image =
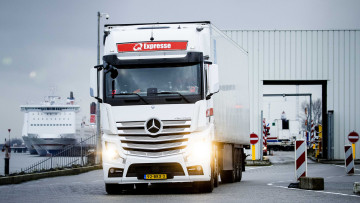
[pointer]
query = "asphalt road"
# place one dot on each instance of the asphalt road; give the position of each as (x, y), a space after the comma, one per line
(259, 184)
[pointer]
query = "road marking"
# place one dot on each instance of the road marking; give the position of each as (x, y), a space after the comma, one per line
(325, 192)
(344, 167)
(252, 168)
(95, 181)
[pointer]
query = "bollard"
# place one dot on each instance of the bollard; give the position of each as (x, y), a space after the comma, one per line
(349, 161)
(300, 159)
(253, 152)
(354, 151)
(7, 165)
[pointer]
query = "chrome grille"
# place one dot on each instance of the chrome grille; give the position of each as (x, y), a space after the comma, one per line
(136, 141)
(154, 154)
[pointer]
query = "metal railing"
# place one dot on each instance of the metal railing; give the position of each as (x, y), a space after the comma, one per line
(72, 156)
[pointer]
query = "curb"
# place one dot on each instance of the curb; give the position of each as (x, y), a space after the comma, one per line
(324, 161)
(28, 177)
(311, 183)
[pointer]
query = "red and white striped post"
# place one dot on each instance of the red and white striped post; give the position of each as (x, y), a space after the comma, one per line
(349, 161)
(300, 159)
(264, 134)
(312, 138)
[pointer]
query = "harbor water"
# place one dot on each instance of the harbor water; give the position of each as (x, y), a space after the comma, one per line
(18, 161)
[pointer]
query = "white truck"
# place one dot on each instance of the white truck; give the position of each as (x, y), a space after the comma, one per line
(174, 103)
(283, 134)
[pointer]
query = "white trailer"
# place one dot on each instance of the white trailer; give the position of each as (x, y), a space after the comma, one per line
(174, 103)
(283, 134)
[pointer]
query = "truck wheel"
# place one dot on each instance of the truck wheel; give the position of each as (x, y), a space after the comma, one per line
(206, 186)
(228, 176)
(216, 180)
(113, 189)
(216, 167)
(238, 165)
(238, 173)
(141, 186)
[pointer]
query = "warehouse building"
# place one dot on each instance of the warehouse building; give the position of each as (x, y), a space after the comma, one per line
(330, 58)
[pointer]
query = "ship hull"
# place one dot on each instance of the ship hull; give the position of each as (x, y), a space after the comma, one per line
(51, 146)
(29, 146)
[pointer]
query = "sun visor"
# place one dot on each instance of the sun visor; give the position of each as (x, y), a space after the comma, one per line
(148, 58)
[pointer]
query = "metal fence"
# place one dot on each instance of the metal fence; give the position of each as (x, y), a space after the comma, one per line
(81, 154)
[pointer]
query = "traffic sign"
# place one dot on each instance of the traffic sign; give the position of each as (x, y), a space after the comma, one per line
(253, 138)
(353, 137)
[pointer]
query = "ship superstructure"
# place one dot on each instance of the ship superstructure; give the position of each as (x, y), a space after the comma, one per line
(51, 126)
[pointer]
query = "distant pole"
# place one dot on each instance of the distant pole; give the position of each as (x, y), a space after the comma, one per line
(310, 112)
(261, 137)
(98, 145)
(98, 130)
(7, 156)
(9, 135)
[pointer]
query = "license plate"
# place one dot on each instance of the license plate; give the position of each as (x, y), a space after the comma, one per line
(155, 176)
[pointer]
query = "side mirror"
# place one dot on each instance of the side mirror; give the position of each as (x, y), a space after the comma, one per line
(94, 82)
(213, 79)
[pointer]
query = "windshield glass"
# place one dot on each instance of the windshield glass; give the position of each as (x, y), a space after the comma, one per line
(154, 85)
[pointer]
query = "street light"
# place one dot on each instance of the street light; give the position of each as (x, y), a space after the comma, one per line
(7, 156)
(99, 14)
(98, 145)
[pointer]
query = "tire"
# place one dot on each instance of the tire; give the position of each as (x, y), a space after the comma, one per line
(239, 165)
(216, 167)
(238, 175)
(141, 186)
(228, 176)
(216, 180)
(113, 189)
(207, 186)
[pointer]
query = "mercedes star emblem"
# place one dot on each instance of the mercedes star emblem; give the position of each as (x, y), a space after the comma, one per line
(153, 126)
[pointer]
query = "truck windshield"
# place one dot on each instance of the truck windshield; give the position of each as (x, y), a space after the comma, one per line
(154, 85)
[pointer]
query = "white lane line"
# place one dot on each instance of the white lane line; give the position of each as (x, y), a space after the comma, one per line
(252, 168)
(318, 191)
(95, 181)
(344, 167)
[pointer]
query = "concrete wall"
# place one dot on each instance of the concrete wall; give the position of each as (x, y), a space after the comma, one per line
(332, 55)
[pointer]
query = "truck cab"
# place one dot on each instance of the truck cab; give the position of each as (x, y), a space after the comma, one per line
(156, 87)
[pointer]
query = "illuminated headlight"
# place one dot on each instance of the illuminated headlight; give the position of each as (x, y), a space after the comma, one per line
(198, 150)
(264, 148)
(110, 151)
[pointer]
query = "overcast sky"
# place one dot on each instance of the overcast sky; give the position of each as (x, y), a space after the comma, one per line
(48, 44)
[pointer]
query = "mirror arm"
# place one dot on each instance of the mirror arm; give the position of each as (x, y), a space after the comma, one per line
(99, 68)
(210, 95)
(98, 99)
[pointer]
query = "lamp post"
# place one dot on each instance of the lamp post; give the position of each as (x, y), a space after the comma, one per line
(7, 156)
(98, 144)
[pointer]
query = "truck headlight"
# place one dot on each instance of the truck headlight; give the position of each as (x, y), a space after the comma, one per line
(110, 151)
(198, 150)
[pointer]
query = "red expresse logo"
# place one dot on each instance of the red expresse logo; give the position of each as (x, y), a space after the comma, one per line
(152, 46)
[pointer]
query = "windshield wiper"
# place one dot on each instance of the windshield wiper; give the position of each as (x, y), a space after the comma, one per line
(182, 96)
(132, 93)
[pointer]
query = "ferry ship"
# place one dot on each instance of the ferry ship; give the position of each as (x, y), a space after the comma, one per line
(51, 126)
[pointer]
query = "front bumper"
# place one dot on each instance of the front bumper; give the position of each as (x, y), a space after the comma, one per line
(178, 158)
